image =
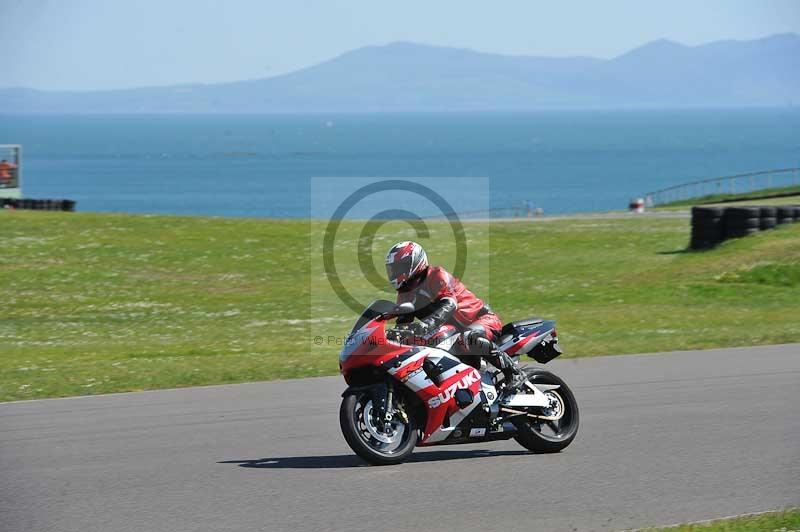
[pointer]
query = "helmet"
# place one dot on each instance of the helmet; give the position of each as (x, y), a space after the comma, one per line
(405, 263)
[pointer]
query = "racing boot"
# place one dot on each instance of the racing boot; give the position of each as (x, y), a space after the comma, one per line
(514, 377)
(476, 343)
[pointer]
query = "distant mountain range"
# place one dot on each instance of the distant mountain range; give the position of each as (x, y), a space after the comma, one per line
(405, 76)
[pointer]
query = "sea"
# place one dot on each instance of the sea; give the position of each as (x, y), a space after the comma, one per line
(263, 165)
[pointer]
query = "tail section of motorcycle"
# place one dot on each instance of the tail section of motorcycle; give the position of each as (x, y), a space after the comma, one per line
(534, 337)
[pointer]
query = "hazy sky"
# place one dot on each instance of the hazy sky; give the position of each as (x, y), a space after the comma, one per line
(99, 44)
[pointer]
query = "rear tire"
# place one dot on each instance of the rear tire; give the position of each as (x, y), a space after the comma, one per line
(531, 433)
(356, 431)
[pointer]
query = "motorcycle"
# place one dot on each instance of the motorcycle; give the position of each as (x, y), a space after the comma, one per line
(405, 392)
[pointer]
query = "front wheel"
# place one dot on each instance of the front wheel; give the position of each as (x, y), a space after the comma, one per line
(556, 433)
(379, 443)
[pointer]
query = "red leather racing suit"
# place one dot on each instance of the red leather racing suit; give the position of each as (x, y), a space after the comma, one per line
(437, 287)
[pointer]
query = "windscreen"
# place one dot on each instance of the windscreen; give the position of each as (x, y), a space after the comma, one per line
(375, 309)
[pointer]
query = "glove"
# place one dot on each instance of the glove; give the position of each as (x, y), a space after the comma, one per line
(419, 328)
(441, 312)
(400, 334)
(394, 335)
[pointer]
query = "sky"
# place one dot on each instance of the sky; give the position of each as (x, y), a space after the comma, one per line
(108, 44)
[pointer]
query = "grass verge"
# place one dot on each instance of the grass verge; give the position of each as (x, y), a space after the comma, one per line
(98, 303)
(780, 521)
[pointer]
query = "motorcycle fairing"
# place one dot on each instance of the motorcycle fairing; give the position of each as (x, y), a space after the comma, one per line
(520, 338)
(443, 413)
(367, 345)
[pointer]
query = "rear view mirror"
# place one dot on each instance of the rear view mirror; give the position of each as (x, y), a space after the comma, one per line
(404, 308)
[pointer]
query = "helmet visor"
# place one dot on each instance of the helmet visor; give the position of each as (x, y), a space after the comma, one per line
(398, 270)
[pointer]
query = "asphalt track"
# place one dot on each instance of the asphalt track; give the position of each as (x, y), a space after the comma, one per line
(664, 438)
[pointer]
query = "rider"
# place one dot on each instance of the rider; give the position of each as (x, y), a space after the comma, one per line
(439, 299)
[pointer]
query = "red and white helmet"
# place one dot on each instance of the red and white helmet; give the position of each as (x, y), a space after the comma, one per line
(404, 262)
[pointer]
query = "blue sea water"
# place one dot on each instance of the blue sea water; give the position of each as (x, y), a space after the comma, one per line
(261, 165)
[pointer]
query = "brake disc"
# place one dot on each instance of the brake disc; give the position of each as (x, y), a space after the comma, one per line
(375, 432)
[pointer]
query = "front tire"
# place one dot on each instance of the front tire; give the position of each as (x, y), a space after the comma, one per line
(542, 436)
(361, 430)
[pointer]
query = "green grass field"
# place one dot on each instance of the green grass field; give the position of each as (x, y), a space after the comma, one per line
(780, 521)
(97, 303)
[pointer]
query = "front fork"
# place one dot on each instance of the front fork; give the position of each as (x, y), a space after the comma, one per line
(383, 403)
(390, 405)
(383, 399)
(381, 396)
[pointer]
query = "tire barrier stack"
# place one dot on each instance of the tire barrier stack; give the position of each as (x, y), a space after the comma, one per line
(741, 221)
(707, 228)
(64, 205)
(712, 225)
(786, 215)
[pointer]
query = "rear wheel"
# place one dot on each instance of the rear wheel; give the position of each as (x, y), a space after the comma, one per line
(379, 443)
(560, 427)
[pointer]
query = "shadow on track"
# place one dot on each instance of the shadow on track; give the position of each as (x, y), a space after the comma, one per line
(349, 460)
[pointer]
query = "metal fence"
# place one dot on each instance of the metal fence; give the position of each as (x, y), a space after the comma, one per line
(735, 184)
(517, 209)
